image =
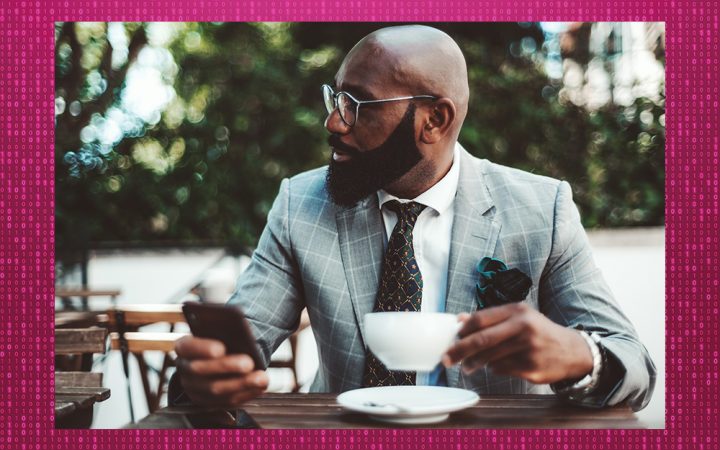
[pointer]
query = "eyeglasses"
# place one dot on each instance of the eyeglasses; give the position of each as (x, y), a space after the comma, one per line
(349, 106)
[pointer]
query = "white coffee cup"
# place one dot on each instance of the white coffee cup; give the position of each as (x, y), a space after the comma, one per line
(410, 341)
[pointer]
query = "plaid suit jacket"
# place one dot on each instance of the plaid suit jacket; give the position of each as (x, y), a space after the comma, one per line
(328, 258)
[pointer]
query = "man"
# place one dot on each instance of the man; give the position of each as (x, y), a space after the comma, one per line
(403, 204)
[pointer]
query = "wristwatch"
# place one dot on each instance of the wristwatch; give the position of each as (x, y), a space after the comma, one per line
(576, 389)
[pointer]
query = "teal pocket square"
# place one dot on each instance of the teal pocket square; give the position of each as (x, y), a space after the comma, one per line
(499, 285)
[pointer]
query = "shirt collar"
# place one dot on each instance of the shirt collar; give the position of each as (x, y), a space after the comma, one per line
(440, 196)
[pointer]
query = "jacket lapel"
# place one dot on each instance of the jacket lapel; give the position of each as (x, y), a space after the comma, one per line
(474, 235)
(361, 236)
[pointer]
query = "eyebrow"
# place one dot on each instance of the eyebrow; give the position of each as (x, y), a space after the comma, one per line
(356, 90)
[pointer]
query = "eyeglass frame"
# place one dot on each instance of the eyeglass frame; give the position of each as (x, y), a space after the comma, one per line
(335, 96)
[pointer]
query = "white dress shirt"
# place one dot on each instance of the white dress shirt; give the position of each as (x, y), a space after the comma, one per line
(431, 239)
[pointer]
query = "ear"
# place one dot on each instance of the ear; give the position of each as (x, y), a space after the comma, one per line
(438, 120)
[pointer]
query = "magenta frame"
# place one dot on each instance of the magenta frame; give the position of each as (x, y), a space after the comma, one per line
(27, 236)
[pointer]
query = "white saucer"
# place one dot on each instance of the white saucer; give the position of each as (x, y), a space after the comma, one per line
(410, 405)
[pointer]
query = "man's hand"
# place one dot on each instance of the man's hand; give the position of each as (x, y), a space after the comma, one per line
(212, 378)
(516, 340)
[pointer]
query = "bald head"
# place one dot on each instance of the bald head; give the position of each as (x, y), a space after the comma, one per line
(412, 60)
(404, 147)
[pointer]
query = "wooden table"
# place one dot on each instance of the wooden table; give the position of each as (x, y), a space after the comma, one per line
(74, 405)
(76, 392)
(321, 411)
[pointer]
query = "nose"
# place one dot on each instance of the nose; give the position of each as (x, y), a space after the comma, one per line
(334, 123)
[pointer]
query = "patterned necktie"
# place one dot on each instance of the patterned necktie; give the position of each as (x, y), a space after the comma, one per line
(401, 286)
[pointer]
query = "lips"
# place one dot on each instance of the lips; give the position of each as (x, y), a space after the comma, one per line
(340, 151)
(340, 156)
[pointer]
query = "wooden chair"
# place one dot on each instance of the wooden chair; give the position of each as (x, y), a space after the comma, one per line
(125, 322)
(80, 319)
(76, 392)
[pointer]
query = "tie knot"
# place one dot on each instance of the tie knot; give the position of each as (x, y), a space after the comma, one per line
(408, 212)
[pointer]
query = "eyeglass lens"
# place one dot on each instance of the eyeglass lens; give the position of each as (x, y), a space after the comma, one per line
(328, 98)
(345, 105)
(347, 108)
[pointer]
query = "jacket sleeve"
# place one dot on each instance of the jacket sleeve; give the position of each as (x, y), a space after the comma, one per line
(574, 293)
(269, 291)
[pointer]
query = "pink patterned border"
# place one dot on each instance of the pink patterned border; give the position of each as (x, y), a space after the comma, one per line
(26, 227)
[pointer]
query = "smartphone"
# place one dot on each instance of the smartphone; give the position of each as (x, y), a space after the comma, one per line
(223, 323)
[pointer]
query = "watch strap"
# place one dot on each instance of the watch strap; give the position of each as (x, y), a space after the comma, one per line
(578, 388)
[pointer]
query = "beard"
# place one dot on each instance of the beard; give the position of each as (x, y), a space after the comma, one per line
(366, 172)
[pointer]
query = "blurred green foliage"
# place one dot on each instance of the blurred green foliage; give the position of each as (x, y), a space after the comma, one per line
(248, 112)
